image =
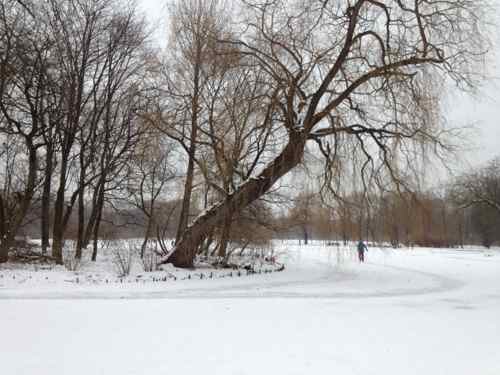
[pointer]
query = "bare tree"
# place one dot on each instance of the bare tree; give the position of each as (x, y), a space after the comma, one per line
(232, 145)
(195, 24)
(479, 187)
(25, 64)
(98, 48)
(480, 191)
(72, 83)
(366, 84)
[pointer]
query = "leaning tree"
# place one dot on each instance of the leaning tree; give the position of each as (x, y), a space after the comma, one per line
(348, 76)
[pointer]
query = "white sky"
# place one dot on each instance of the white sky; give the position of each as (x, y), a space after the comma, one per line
(482, 110)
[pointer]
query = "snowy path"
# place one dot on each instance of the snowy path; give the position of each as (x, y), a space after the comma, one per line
(318, 274)
(403, 312)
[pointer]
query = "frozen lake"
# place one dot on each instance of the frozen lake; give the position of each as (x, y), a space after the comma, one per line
(420, 311)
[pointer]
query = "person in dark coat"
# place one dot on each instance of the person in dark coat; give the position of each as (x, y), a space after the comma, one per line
(361, 250)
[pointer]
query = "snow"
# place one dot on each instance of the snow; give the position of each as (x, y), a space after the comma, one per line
(419, 311)
(103, 279)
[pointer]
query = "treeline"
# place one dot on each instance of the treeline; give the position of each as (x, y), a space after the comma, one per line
(465, 212)
(73, 80)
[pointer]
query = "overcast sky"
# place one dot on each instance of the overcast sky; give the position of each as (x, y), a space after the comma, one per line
(482, 110)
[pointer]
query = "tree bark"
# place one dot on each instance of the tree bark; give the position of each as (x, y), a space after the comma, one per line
(97, 224)
(81, 202)
(58, 230)
(81, 222)
(96, 236)
(188, 186)
(2, 217)
(225, 234)
(4, 249)
(186, 200)
(47, 189)
(94, 211)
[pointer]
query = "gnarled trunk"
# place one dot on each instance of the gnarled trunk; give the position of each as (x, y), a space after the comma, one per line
(185, 250)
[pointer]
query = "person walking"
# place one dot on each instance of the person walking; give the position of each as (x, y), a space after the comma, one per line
(361, 250)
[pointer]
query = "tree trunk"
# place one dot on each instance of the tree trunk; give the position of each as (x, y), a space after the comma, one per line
(225, 234)
(2, 218)
(81, 209)
(186, 200)
(188, 186)
(4, 243)
(97, 224)
(81, 223)
(96, 237)
(146, 236)
(185, 250)
(94, 212)
(58, 229)
(61, 216)
(5, 247)
(47, 189)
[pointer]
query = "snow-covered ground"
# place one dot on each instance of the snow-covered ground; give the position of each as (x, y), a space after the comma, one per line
(419, 311)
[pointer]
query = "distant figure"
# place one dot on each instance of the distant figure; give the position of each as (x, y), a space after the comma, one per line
(361, 251)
